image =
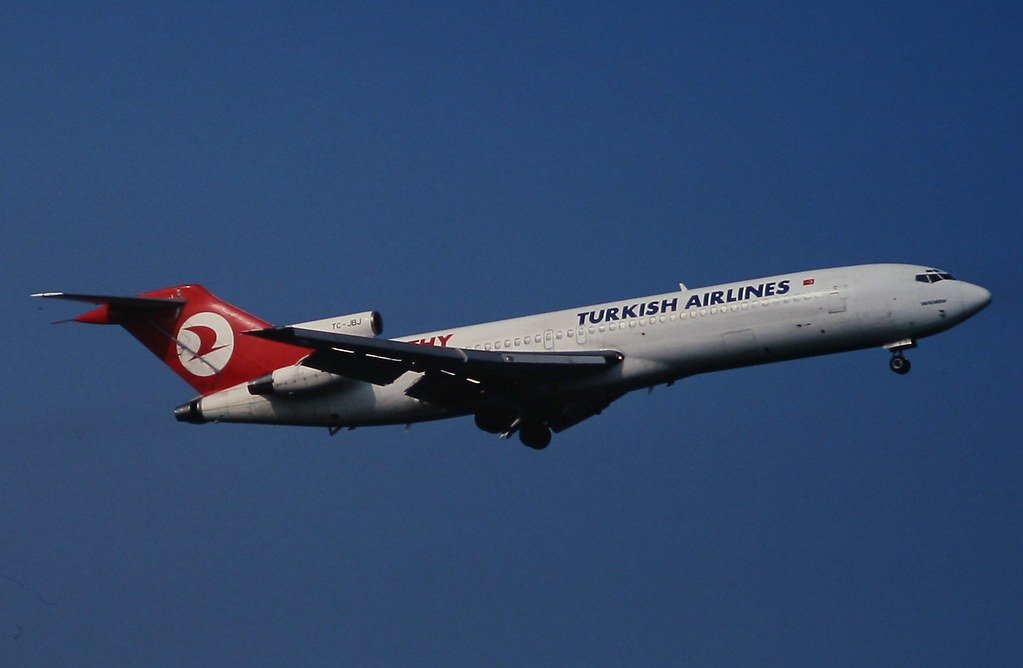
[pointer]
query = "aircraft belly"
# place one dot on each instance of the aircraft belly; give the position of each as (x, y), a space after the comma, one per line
(368, 404)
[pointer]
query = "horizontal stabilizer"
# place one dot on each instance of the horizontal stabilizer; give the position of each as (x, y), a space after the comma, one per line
(130, 302)
(114, 309)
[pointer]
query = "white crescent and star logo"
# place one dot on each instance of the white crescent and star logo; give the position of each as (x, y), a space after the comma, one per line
(205, 343)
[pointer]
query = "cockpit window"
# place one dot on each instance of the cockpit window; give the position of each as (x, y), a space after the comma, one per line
(933, 276)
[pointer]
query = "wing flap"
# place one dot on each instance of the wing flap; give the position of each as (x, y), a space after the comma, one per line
(438, 387)
(353, 365)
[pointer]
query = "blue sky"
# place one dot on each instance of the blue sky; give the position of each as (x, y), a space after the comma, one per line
(450, 163)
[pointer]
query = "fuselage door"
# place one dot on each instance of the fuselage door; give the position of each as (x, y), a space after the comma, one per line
(548, 339)
(836, 299)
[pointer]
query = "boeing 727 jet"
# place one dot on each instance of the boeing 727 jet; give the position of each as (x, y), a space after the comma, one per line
(531, 375)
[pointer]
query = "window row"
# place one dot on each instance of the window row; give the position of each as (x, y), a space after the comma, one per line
(641, 322)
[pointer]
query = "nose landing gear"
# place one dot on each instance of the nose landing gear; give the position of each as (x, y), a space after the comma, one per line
(898, 363)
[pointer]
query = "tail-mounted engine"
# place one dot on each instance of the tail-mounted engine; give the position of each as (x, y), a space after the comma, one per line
(292, 379)
(298, 378)
(367, 323)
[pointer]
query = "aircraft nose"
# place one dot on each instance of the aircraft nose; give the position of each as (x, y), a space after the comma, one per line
(974, 297)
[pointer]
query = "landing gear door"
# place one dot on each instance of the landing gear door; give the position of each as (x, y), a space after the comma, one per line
(740, 346)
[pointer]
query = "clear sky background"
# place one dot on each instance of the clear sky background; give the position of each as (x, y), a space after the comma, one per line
(447, 163)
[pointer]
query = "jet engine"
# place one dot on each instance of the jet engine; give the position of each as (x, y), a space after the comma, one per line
(289, 379)
(367, 323)
(298, 378)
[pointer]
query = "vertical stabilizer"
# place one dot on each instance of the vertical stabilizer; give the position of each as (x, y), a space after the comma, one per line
(194, 333)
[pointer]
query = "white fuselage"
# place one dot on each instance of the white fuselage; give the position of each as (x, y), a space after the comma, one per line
(662, 338)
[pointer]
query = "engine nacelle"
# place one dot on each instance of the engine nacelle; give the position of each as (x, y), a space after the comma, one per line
(298, 378)
(292, 379)
(367, 323)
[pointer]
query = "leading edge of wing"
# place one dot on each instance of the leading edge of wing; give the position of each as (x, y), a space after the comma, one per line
(382, 361)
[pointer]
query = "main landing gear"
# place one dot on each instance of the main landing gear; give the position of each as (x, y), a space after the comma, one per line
(898, 363)
(533, 432)
(535, 435)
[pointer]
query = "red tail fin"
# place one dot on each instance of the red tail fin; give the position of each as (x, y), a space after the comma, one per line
(197, 335)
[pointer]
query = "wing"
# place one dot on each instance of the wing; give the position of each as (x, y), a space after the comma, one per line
(457, 378)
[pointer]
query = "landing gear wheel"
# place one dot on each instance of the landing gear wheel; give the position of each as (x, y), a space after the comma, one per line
(899, 365)
(536, 436)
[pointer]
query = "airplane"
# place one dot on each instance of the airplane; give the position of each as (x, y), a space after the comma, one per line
(530, 375)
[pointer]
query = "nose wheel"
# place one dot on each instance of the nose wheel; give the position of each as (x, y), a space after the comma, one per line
(899, 364)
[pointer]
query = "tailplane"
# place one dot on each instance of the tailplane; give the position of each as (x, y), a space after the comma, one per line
(193, 332)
